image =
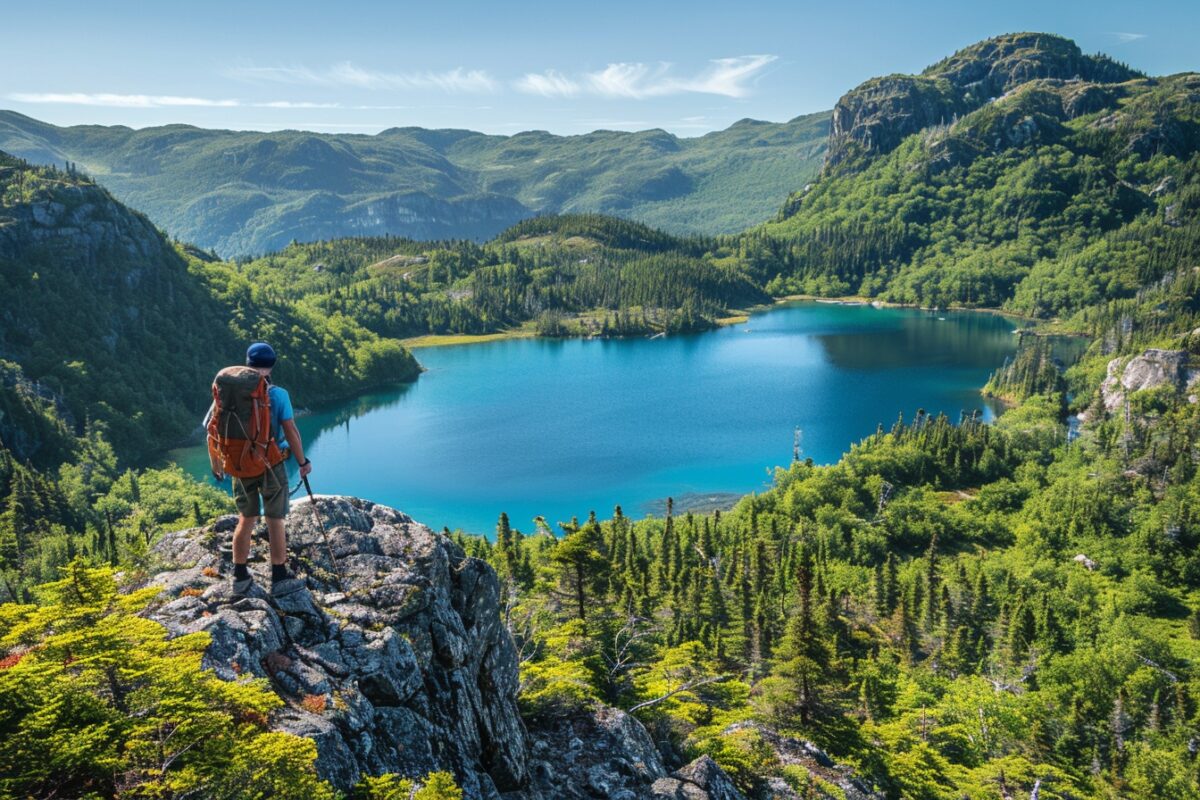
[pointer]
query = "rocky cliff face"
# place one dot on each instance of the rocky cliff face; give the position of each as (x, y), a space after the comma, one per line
(79, 223)
(875, 117)
(403, 665)
(1151, 370)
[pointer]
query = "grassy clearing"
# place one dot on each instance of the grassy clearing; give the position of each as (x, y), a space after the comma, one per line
(443, 340)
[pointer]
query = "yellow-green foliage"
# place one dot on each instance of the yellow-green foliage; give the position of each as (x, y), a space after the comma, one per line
(96, 701)
(436, 786)
(552, 684)
(677, 669)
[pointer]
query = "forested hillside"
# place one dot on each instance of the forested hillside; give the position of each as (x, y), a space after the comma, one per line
(567, 275)
(1049, 183)
(242, 193)
(109, 337)
(955, 610)
(952, 610)
(120, 326)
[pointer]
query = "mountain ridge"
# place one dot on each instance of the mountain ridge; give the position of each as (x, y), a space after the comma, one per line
(874, 117)
(246, 192)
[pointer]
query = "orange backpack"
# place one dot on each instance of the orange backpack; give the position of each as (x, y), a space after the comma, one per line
(239, 427)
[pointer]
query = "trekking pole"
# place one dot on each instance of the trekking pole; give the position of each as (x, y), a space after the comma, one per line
(317, 517)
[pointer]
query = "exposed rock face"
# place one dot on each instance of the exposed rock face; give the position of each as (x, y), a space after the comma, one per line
(404, 668)
(603, 754)
(798, 753)
(80, 224)
(609, 754)
(876, 116)
(1152, 369)
(994, 66)
(698, 780)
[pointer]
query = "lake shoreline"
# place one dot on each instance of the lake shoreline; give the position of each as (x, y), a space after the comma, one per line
(735, 316)
(584, 428)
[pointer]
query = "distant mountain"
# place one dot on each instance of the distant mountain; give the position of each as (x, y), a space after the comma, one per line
(877, 115)
(242, 193)
(1017, 172)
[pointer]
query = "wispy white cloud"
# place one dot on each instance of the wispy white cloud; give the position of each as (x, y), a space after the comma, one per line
(292, 104)
(172, 101)
(346, 73)
(119, 100)
(1124, 37)
(631, 80)
(728, 77)
(550, 83)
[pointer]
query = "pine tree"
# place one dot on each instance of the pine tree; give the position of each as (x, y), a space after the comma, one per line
(506, 555)
(583, 565)
(879, 594)
(1022, 632)
(931, 591)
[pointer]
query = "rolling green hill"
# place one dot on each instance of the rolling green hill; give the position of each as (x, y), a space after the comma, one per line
(242, 193)
(118, 328)
(567, 274)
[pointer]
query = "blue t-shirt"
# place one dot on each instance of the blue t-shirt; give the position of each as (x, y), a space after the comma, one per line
(281, 412)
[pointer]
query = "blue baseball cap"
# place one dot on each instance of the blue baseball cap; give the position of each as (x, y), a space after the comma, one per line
(260, 354)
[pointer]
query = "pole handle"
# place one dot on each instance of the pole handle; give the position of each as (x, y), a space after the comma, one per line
(324, 533)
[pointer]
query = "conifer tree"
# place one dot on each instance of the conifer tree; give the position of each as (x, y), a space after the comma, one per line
(583, 565)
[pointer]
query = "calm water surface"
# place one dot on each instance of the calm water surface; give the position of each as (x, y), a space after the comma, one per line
(559, 428)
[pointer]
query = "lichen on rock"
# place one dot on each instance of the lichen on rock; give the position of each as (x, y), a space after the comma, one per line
(401, 667)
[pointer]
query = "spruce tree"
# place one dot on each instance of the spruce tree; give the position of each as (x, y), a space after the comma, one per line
(583, 565)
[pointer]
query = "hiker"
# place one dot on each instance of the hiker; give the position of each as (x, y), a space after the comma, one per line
(251, 435)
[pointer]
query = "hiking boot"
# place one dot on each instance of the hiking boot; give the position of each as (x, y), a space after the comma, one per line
(242, 587)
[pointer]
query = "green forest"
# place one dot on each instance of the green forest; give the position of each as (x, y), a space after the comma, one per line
(244, 193)
(955, 609)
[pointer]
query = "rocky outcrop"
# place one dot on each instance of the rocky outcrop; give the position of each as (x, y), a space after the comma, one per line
(877, 115)
(994, 66)
(873, 118)
(1152, 369)
(80, 223)
(700, 780)
(607, 753)
(604, 753)
(401, 666)
(830, 780)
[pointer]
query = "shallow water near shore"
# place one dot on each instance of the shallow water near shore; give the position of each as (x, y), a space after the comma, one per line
(559, 428)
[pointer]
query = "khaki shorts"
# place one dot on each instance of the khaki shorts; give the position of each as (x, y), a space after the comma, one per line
(271, 488)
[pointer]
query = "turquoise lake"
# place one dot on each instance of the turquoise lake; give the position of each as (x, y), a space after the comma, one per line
(558, 428)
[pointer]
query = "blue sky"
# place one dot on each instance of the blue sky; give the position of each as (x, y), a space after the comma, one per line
(504, 67)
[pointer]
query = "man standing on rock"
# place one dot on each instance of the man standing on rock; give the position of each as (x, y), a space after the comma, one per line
(267, 492)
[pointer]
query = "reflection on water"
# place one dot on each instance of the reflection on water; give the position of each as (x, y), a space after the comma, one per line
(921, 340)
(560, 428)
(341, 415)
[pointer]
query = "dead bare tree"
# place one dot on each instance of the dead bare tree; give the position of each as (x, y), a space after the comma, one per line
(622, 654)
(522, 626)
(687, 686)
